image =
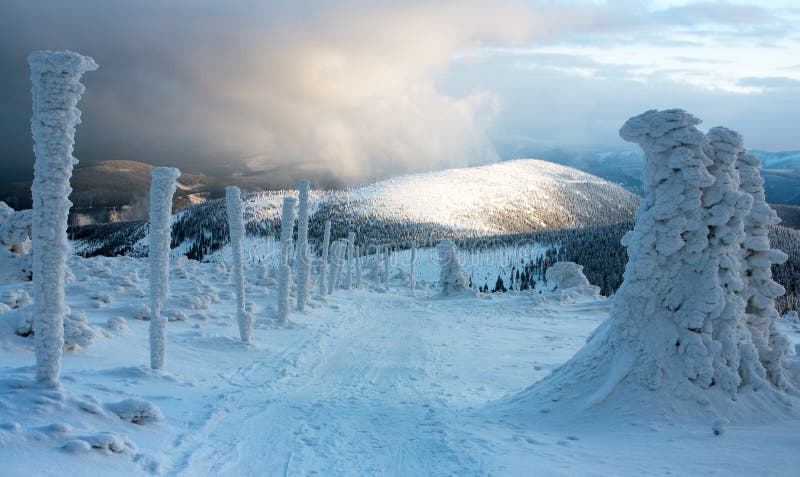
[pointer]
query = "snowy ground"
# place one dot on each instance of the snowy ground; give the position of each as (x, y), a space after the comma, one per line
(364, 383)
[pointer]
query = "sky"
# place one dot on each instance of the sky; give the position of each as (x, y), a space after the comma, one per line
(347, 91)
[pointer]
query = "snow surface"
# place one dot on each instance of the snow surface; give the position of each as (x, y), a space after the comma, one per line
(363, 383)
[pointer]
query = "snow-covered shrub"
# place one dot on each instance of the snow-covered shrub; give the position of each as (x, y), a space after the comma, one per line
(285, 271)
(56, 92)
(174, 314)
(101, 296)
(4, 308)
(565, 275)
(136, 411)
(162, 188)
(140, 311)
(303, 252)
(235, 209)
(117, 323)
(451, 277)
(15, 230)
(78, 334)
(16, 298)
(323, 269)
(105, 442)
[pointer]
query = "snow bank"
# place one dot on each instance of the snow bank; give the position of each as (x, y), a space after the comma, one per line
(56, 91)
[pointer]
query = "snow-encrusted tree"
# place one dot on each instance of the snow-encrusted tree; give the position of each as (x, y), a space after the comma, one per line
(162, 188)
(56, 91)
(323, 269)
(451, 277)
(678, 325)
(337, 252)
(348, 279)
(565, 275)
(284, 269)
(235, 209)
(760, 289)
(303, 254)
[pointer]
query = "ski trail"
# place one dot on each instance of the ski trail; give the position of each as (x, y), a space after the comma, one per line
(353, 398)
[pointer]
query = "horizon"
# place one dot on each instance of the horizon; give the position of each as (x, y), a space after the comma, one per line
(315, 90)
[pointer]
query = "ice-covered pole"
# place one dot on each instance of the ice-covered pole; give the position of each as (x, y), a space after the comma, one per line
(56, 91)
(358, 265)
(412, 280)
(284, 271)
(323, 269)
(162, 187)
(386, 273)
(337, 261)
(348, 281)
(233, 202)
(302, 255)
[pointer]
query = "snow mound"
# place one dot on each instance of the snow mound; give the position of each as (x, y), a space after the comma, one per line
(566, 275)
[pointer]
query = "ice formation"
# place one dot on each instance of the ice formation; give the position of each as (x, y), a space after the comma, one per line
(284, 270)
(451, 277)
(323, 269)
(162, 187)
(566, 275)
(56, 91)
(235, 209)
(303, 254)
(348, 280)
(357, 252)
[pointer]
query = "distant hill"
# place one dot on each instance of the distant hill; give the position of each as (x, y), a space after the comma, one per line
(508, 197)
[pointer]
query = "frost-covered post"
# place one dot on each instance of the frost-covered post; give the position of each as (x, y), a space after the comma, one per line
(760, 289)
(412, 280)
(56, 91)
(162, 187)
(348, 281)
(357, 252)
(323, 269)
(233, 202)
(284, 270)
(302, 255)
(387, 276)
(451, 277)
(338, 249)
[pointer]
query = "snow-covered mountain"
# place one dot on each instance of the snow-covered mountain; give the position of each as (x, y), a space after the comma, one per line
(508, 197)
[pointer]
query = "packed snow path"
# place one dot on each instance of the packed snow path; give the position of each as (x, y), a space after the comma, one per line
(363, 383)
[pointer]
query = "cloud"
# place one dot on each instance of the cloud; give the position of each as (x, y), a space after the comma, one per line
(347, 88)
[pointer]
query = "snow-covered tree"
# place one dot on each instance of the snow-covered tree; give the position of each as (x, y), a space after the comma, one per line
(760, 289)
(337, 252)
(451, 277)
(303, 254)
(387, 277)
(323, 269)
(677, 325)
(348, 279)
(566, 275)
(162, 188)
(56, 91)
(284, 269)
(233, 202)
